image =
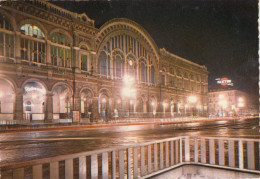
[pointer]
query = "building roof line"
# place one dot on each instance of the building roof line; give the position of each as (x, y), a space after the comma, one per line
(163, 50)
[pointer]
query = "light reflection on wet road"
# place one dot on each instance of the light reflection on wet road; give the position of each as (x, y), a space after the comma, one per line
(33, 145)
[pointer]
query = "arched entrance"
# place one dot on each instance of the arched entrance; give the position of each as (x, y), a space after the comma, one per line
(153, 106)
(141, 107)
(6, 100)
(104, 106)
(86, 103)
(62, 100)
(172, 108)
(34, 99)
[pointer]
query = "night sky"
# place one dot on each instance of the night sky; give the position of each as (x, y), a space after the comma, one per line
(220, 34)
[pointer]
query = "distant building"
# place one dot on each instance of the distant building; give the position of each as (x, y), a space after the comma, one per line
(229, 103)
(55, 64)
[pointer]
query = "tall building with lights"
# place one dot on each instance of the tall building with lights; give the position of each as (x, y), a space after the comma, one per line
(55, 64)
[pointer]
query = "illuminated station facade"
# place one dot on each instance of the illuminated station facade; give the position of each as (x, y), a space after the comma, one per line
(55, 64)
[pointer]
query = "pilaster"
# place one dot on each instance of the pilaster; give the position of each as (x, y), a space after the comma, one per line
(48, 52)
(94, 110)
(77, 103)
(18, 107)
(17, 47)
(49, 107)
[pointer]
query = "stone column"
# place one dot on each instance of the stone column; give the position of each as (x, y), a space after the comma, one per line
(18, 105)
(148, 74)
(77, 59)
(77, 103)
(111, 108)
(94, 110)
(48, 52)
(49, 106)
(17, 48)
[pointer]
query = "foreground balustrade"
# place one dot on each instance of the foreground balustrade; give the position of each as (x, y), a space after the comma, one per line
(143, 160)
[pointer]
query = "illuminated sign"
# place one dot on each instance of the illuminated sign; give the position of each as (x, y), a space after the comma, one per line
(224, 81)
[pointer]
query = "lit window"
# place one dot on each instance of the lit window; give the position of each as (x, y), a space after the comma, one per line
(152, 75)
(60, 56)
(32, 49)
(84, 62)
(118, 66)
(103, 63)
(6, 39)
(143, 72)
(4, 23)
(28, 106)
(31, 30)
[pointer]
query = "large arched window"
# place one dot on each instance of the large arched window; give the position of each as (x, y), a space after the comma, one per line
(6, 37)
(152, 75)
(118, 66)
(28, 106)
(179, 73)
(130, 65)
(163, 79)
(84, 65)
(31, 30)
(33, 47)
(186, 75)
(84, 62)
(60, 50)
(103, 63)
(142, 72)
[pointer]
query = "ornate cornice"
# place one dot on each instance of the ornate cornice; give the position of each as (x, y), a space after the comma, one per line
(164, 52)
(54, 14)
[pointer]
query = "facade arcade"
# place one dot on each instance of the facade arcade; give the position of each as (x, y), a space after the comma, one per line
(54, 62)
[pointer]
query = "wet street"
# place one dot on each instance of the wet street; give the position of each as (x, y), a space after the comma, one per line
(32, 145)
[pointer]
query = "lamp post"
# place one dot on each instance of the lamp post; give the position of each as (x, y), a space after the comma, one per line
(128, 90)
(240, 105)
(153, 110)
(222, 103)
(164, 107)
(192, 100)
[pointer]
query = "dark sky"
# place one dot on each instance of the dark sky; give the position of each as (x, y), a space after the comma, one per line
(221, 34)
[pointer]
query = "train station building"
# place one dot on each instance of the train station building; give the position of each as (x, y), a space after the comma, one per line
(55, 64)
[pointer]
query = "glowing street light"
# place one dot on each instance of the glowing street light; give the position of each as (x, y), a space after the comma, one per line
(192, 99)
(222, 103)
(128, 80)
(241, 102)
(128, 91)
(154, 111)
(164, 107)
(104, 100)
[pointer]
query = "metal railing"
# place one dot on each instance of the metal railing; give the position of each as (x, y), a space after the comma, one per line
(143, 160)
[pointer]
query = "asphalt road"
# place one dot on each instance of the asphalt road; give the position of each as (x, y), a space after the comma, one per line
(32, 145)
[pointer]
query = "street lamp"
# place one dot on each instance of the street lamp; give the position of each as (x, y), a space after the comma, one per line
(240, 104)
(128, 90)
(153, 103)
(164, 107)
(192, 100)
(222, 103)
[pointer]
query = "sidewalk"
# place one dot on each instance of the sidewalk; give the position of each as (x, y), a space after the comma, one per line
(68, 125)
